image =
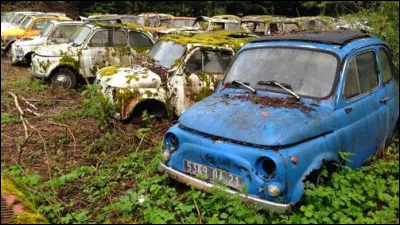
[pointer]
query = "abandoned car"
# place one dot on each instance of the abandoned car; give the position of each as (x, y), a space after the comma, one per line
(287, 105)
(56, 32)
(266, 24)
(30, 26)
(92, 47)
(218, 23)
(178, 25)
(180, 70)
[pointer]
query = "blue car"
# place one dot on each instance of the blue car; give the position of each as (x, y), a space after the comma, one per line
(287, 104)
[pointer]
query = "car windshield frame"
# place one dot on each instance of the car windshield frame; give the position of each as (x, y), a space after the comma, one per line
(185, 21)
(77, 34)
(161, 60)
(339, 65)
(46, 31)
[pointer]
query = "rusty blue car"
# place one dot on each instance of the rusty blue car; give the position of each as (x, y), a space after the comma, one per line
(286, 105)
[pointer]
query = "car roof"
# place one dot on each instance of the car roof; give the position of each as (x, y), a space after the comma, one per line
(325, 37)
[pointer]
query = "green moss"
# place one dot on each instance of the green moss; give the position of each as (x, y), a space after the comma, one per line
(217, 39)
(141, 49)
(29, 216)
(108, 71)
(132, 76)
(229, 17)
(67, 59)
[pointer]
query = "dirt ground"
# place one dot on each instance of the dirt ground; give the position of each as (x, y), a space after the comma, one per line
(50, 142)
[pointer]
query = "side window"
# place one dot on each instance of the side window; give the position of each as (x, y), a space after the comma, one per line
(119, 38)
(385, 65)
(352, 87)
(362, 75)
(216, 61)
(208, 61)
(39, 25)
(193, 65)
(138, 39)
(99, 39)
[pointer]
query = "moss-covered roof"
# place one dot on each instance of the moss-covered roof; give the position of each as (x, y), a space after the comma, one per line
(216, 39)
(131, 26)
(229, 17)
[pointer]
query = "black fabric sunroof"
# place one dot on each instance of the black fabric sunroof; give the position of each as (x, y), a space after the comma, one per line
(328, 37)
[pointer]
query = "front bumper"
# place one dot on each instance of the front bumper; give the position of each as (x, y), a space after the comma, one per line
(204, 186)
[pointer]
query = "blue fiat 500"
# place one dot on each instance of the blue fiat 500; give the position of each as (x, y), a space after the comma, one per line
(286, 105)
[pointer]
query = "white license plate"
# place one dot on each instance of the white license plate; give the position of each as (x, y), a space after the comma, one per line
(213, 174)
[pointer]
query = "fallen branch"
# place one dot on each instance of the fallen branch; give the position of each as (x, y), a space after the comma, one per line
(63, 125)
(21, 112)
(21, 148)
(30, 104)
(34, 113)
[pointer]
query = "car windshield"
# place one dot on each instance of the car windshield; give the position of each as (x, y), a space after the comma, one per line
(166, 53)
(305, 72)
(46, 30)
(179, 23)
(80, 35)
(26, 23)
(17, 18)
(140, 20)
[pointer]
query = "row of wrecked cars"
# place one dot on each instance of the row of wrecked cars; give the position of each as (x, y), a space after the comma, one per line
(257, 115)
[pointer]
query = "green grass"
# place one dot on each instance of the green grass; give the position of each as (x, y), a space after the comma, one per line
(7, 118)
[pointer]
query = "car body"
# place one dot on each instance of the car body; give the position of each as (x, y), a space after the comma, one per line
(92, 47)
(267, 25)
(316, 22)
(178, 25)
(303, 98)
(30, 26)
(218, 23)
(173, 78)
(56, 32)
(16, 18)
(152, 21)
(348, 23)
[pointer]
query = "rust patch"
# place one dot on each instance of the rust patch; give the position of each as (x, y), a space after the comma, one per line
(274, 102)
(264, 113)
(6, 212)
(162, 72)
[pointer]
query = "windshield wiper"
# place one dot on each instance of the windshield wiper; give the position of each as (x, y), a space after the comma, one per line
(286, 87)
(245, 85)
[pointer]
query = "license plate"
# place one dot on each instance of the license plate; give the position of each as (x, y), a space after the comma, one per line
(213, 174)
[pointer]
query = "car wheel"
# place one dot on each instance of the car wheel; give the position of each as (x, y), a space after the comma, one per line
(64, 78)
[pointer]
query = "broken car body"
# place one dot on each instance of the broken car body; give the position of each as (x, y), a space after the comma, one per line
(93, 46)
(181, 70)
(287, 105)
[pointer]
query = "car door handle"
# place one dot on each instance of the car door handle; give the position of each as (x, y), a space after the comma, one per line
(384, 99)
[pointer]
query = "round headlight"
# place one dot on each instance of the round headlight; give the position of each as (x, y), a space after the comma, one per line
(166, 156)
(171, 142)
(266, 167)
(273, 190)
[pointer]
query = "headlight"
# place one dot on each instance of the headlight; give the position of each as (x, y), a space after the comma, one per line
(171, 142)
(266, 167)
(19, 52)
(273, 190)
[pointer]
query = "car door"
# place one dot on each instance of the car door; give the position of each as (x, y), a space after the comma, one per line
(94, 53)
(203, 69)
(118, 50)
(391, 98)
(364, 118)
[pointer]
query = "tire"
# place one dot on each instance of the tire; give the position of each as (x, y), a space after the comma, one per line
(64, 78)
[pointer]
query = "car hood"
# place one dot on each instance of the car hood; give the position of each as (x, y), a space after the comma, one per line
(249, 121)
(57, 50)
(31, 41)
(13, 32)
(129, 77)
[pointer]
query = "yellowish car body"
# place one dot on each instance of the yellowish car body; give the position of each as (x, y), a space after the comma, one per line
(31, 26)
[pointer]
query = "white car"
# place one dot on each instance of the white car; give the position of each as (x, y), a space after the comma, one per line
(180, 71)
(93, 46)
(56, 32)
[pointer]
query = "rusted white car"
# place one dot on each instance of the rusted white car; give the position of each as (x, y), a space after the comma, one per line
(93, 46)
(56, 32)
(179, 72)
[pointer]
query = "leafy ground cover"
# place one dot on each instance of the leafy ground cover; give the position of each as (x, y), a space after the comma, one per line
(78, 167)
